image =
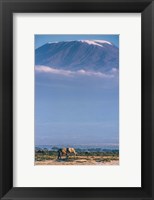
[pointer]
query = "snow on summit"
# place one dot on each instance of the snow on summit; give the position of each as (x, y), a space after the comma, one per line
(103, 41)
(90, 42)
(96, 42)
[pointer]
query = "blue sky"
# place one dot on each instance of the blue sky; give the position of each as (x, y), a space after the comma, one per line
(43, 39)
(76, 110)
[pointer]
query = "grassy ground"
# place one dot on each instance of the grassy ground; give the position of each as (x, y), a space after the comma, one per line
(82, 158)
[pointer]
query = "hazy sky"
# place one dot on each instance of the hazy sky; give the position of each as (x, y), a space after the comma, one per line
(76, 110)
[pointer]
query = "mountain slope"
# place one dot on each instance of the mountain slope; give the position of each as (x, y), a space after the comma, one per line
(95, 55)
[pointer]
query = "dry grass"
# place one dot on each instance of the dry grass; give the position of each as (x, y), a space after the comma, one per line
(51, 159)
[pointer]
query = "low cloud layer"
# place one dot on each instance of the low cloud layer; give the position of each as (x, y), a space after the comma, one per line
(69, 73)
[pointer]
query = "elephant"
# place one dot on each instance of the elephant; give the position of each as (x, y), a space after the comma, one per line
(66, 151)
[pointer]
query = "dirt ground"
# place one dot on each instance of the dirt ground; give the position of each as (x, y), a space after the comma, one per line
(81, 160)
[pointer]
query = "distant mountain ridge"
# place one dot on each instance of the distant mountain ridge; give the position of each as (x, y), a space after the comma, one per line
(93, 55)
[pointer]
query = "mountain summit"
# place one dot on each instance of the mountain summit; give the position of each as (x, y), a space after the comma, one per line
(94, 55)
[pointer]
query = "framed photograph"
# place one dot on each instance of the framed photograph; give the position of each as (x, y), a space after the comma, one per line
(76, 79)
(76, 91)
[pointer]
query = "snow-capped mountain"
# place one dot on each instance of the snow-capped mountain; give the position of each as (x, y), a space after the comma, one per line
(93, 55)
